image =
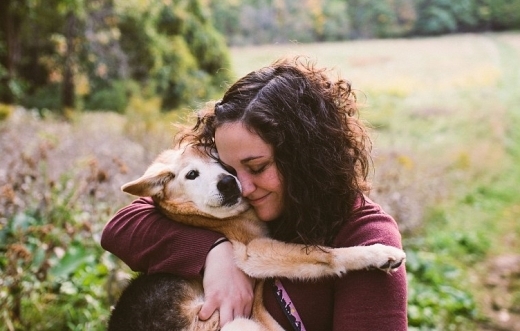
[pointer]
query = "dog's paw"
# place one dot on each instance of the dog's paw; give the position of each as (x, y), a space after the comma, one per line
(387, 258)
(376, 256)
(211, 324)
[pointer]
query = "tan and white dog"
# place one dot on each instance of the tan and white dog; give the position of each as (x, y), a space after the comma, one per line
(192, 188)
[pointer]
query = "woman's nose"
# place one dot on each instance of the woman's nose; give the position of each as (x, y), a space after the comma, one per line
(247, 184)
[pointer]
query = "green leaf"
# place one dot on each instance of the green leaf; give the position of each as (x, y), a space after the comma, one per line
(74, 258)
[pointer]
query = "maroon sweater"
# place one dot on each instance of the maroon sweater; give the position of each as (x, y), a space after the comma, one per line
(362, 300)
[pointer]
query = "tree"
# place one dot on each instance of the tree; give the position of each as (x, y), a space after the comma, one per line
(10, 24)
(445, 16)
(173, 49)
(93, 53)
(504, 14)
(380, 18)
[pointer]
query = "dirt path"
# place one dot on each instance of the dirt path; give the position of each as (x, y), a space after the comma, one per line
(502, 299)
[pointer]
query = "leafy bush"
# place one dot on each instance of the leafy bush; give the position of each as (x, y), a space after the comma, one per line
(380, 19)
(113, 97)
(54, 278)
(55, 275)
(54, 271)
(436, 298)
(441, 16)
(45, 97)
(504, 14)
(5, 111)
(57, 45)
(178, 54)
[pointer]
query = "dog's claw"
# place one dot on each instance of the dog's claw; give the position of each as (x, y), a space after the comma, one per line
(391, 265)
(385, 266)
(397, 264)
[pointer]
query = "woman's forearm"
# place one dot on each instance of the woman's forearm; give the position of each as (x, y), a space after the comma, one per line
(147, 241)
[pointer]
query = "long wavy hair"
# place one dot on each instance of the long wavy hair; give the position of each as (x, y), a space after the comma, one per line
(321, 148)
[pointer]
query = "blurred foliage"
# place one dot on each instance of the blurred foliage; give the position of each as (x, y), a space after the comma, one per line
(280, 21)
(53, 277)
(437, 298)
(382, 19)
(62, 54)
(54, 273)
(275, 21)
(5, 111)
(93, 54)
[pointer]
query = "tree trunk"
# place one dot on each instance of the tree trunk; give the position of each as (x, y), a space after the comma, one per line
(10, 23)
(68, 87)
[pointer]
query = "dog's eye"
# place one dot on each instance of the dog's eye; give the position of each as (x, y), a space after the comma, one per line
(192, 175)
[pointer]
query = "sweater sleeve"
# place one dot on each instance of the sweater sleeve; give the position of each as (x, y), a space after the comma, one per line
(142, 237)
(370, 300)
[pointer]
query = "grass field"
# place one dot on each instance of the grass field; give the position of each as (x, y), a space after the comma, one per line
(445, 118)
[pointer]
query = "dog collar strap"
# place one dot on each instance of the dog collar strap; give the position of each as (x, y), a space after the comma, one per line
(287, 306)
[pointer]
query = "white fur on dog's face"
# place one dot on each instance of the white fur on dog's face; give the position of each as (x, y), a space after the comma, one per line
(185, 176)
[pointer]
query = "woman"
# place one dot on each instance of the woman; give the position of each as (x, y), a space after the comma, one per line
(293, 139)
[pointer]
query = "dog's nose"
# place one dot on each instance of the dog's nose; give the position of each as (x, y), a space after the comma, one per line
(228, 185)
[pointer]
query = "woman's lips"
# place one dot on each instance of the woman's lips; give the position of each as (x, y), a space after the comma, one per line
(255, 202)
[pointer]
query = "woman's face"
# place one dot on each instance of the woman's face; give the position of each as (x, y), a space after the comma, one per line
(253, 161)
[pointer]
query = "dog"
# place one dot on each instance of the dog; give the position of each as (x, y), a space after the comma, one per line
(191, 187)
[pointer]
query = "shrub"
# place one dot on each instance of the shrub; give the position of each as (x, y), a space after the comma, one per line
(436, 298)
(45, 97)
(54, 201)
(112, 97)
(5, 111)
(54, 271)
(504, 14)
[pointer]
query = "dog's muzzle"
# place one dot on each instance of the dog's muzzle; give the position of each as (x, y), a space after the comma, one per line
(229, 189)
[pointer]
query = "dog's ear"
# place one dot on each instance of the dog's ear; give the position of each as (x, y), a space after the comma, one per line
(151, 183)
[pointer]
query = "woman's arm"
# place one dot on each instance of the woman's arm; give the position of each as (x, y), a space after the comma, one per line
(371, 300)
(226, 287)
(147, 241)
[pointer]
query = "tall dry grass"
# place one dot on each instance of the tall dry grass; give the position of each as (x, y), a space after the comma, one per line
(59, 185)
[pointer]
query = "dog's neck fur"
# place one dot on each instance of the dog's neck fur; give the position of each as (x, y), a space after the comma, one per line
(243, 227)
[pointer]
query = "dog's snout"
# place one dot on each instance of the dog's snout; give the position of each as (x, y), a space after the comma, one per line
(227, 185)
(229, 190)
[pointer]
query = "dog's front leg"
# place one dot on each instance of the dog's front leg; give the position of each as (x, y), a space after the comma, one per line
(260, 314)
(265, 257)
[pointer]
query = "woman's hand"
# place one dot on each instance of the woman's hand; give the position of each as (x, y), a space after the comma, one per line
(226, 288)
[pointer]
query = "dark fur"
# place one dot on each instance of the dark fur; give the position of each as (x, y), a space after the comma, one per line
(150, 303)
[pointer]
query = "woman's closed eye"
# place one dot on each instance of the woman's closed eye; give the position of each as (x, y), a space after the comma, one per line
(257, 170)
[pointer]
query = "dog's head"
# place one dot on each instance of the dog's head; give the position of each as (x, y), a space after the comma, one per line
(189, 178)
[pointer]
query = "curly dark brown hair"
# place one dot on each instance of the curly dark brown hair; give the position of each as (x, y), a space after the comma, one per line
(321, 148)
